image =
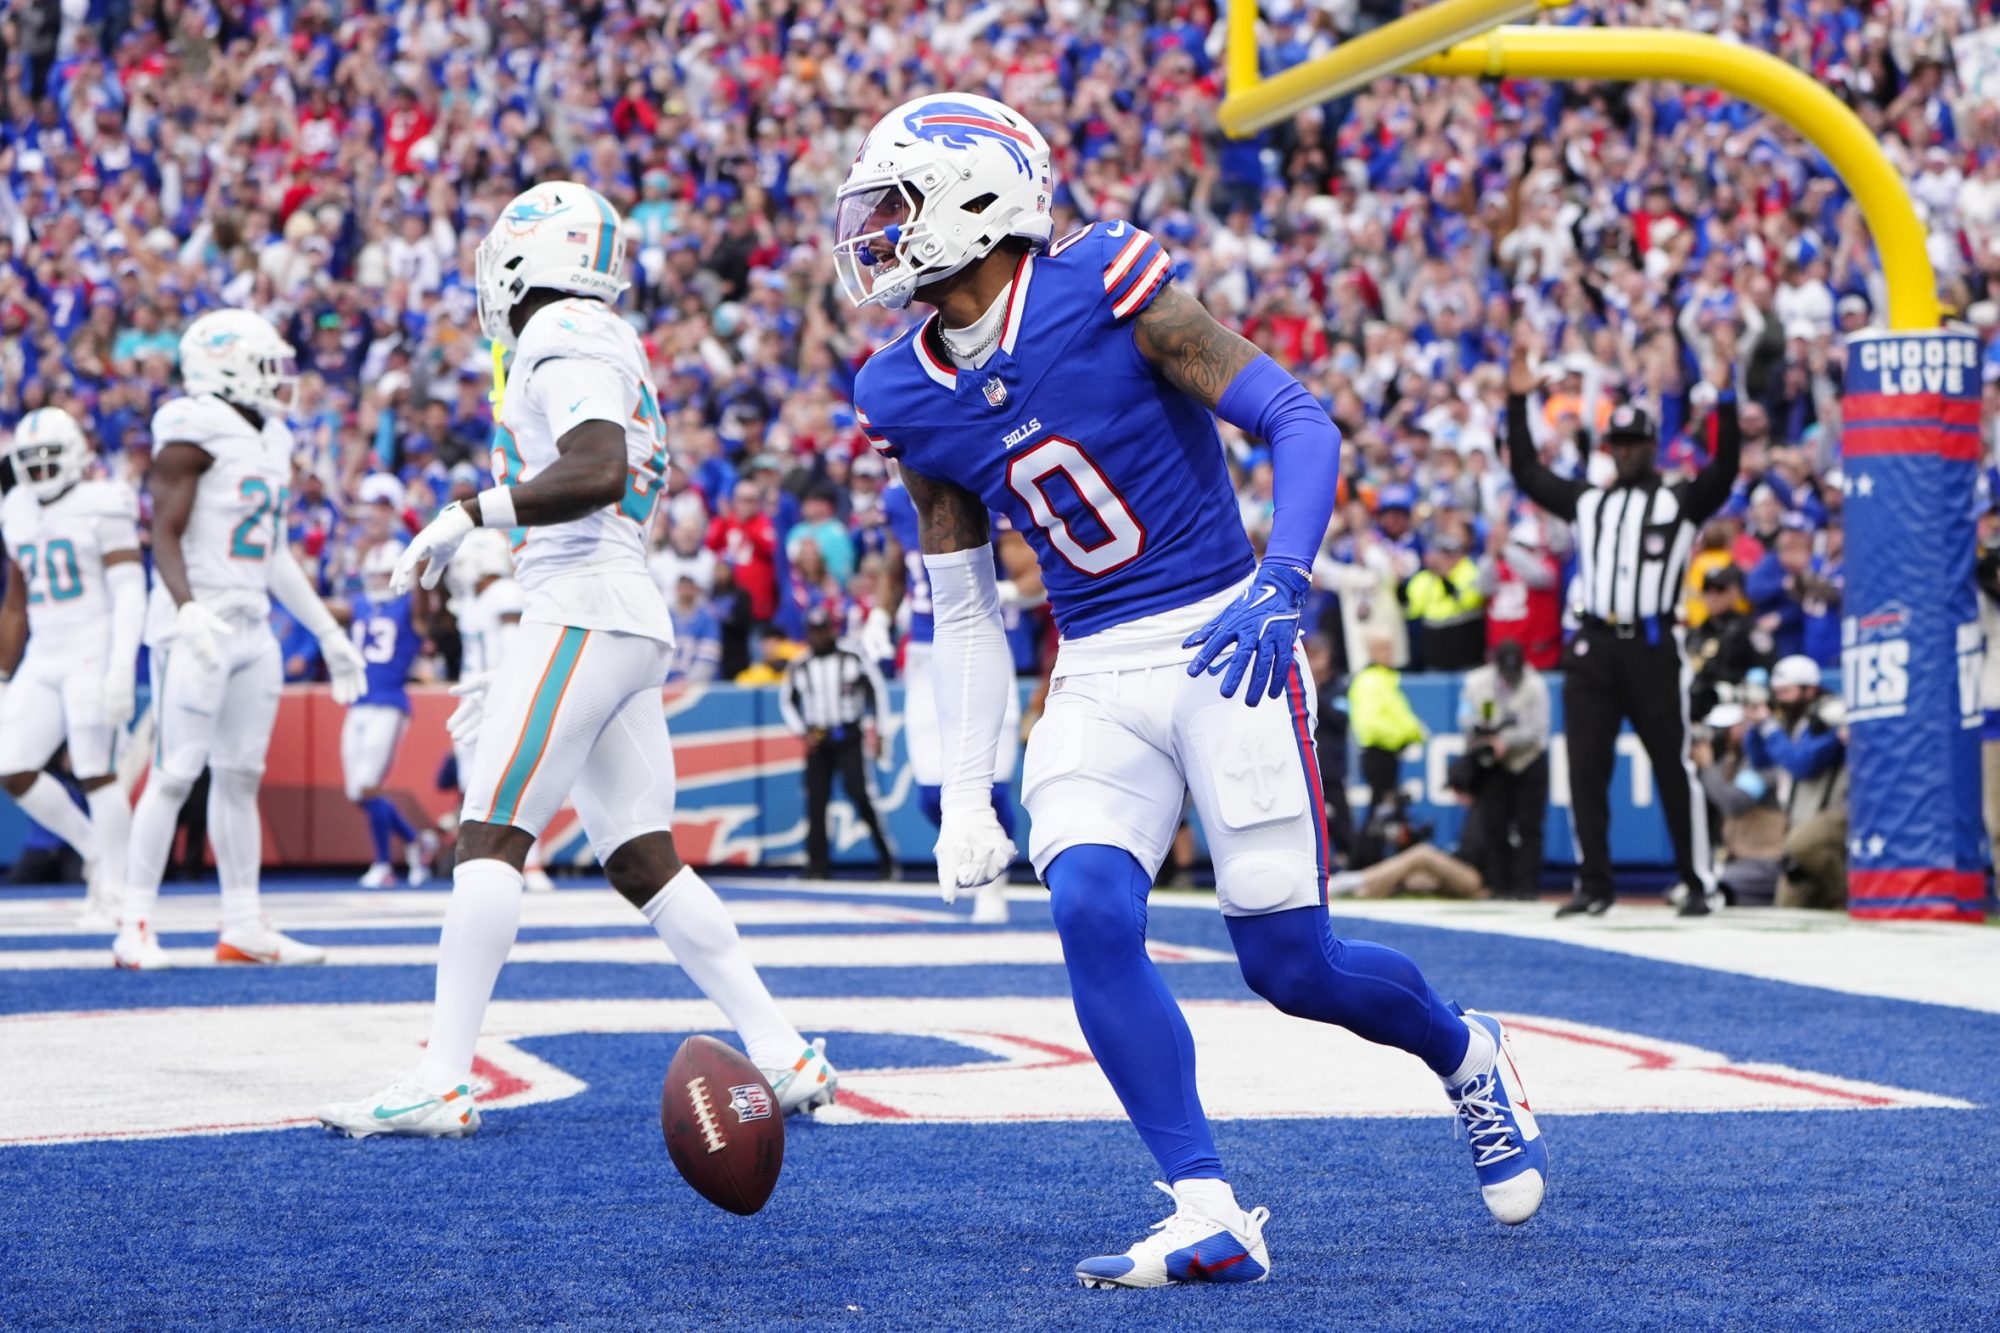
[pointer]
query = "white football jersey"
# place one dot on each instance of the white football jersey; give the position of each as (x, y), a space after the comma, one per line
(237, 525)
(577, 361)
(60, 548)
(482, 625)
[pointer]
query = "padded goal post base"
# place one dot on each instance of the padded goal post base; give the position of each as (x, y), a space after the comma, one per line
(1910, 640)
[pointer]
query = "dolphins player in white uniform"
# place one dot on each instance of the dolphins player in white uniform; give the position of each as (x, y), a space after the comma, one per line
(76, 592)
(486, 601)
(222, 468)
(575, 707)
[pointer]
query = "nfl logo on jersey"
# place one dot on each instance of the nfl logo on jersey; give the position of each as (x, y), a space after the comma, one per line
(996, 392)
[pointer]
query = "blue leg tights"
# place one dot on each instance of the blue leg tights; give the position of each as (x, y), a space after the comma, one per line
(1129, 1017)
(1292, 959)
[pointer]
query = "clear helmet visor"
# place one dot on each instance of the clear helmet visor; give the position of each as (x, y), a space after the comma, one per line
(871, 231)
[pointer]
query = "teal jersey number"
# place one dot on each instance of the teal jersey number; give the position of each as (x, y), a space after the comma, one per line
(244, 543)
(57, 562)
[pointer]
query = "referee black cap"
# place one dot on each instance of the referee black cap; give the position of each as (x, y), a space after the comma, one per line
(1629, 422)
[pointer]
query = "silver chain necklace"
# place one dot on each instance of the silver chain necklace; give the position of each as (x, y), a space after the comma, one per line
(973, 355)
(969, 356)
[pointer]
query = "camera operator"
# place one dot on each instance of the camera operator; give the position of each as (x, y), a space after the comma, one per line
(1728, 642)
(1753, 827)
(1802, 734)
(1504, 709)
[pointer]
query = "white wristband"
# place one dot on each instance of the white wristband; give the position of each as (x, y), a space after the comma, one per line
(496, 508)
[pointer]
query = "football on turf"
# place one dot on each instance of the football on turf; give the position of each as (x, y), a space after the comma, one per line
(722, 1125)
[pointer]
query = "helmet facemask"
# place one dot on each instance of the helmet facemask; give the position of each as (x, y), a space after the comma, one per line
(48, 468)
(885, 248)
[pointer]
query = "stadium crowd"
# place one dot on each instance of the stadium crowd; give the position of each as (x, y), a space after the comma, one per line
(333, 166)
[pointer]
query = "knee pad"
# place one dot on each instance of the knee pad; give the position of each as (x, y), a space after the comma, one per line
(1283, 956)
(237, 784)
(171, 786)
(1097, 893)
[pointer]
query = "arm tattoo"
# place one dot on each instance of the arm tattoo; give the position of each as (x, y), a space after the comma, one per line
(1189, 349)
(951, 518)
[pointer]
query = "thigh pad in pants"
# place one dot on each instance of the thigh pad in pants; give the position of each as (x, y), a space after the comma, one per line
(1096, 772)
(1254, 777)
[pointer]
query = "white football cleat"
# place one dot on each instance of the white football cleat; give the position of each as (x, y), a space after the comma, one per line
(990, 907)
(381, 875)
(137, 949)
(408, 1109)
(536, 880)
(1187, 1247)
(809, 1084)
(417, 858)
(265, 947)
(1509, 1154)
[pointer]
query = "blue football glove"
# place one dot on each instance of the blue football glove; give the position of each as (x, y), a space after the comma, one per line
(1255, 634)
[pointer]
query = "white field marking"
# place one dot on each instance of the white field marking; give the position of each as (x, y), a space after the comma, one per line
(922, 948)
(406, 908)
(1928, 962)
(1931, 962)
(152, 1073)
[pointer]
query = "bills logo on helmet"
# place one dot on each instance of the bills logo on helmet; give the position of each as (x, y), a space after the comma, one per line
(958, 125)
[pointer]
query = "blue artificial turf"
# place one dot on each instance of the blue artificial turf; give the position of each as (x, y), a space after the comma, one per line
(568, 1213)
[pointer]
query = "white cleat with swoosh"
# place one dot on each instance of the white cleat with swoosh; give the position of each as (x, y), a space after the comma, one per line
(408, 1109)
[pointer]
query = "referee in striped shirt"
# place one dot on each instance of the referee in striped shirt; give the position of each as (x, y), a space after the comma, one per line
(826, 697)
(1633, 538)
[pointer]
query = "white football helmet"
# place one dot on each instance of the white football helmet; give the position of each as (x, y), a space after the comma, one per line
(939, 182)
(50, 452)
(559, 235)
(238, 355)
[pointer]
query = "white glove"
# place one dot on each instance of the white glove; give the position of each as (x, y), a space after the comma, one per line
(463, 724)
(344, 667)
(436, 544)
(120, 696)
(972, 851)
(200, 632)
(878, 636)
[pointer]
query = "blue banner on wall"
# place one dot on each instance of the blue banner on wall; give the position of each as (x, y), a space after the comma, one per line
(742, 797)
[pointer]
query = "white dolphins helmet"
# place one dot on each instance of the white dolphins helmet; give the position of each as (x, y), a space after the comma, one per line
(238, 355)
(50, 452)
(938, 183)
(559, 235)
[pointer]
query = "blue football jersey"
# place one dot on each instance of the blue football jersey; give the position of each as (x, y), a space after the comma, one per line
(387, 640)
(1116, 478)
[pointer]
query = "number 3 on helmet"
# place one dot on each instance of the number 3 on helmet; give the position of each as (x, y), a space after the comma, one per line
(939, 183)
(559, 235)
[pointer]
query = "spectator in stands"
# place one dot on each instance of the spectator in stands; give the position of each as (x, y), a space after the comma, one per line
(1801, 734)
(1504, 712)
(819, 525)
(745, 539)
(1522, 580)
(697, 636)
(1782, 583)
(1446, 608)
(1987, 572)
(774, 654)
(1727, 643)
(1382, 720)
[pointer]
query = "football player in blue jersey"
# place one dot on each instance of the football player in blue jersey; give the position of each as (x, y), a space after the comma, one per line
(1068, 385)
(387, 633)
(1022, 588)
